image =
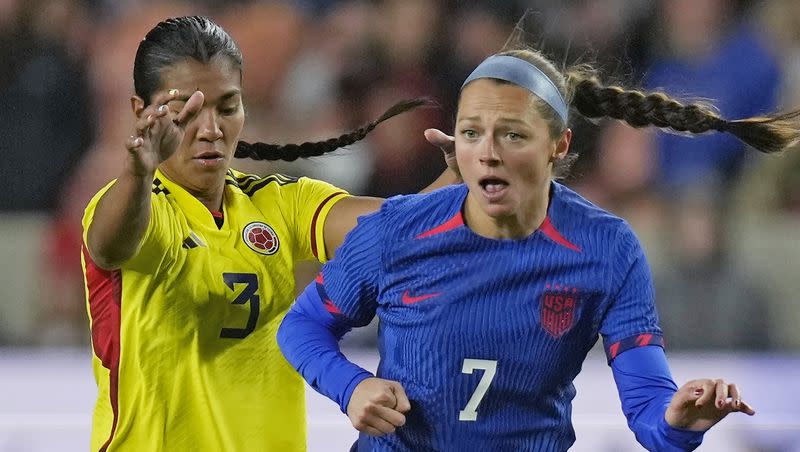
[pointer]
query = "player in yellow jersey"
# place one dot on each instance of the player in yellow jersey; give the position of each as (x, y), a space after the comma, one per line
(189, 264)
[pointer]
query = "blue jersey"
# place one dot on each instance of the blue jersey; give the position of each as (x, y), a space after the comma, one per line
(487, 335)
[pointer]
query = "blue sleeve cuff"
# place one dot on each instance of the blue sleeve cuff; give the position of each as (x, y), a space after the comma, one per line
(678, 437)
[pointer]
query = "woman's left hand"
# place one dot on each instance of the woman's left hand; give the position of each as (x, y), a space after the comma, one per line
(699, 404)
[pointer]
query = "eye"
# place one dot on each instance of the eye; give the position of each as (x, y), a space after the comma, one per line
(514, 136)
(229, 111)
(469, 134)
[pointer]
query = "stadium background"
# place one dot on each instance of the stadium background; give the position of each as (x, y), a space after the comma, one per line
(721, 225)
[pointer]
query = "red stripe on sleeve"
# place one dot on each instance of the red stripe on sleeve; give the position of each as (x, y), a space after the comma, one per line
(105, 297)
(314, 223)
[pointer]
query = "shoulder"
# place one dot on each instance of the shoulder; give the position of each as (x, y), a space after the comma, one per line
(576, 216)
(410, 214)
(254, 185)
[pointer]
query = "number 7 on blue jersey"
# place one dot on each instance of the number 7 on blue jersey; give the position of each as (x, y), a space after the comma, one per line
(489, 368)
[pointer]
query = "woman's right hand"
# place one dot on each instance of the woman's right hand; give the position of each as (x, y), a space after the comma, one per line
(158, 132)
(447, 144)
(377, 406)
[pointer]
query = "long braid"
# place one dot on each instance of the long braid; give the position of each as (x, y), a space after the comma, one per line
(594, 100)
(291, 152)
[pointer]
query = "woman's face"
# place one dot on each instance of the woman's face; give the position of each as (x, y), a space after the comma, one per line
(504, 149)
(210, 137)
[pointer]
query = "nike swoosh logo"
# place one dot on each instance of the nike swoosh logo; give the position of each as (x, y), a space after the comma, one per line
(408, 299)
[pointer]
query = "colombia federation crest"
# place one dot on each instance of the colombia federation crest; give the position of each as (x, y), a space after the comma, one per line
(260, 238)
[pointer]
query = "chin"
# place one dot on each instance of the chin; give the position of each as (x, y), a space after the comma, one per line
(498, 211)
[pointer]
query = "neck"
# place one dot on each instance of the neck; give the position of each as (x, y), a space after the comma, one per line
(209, 194)
(212, 201)
(520, 224)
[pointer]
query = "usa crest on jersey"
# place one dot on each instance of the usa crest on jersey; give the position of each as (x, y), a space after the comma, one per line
(558, 310)
(261, 238)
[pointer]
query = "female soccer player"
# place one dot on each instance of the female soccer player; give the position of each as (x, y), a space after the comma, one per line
(189, 264)
(490, 294)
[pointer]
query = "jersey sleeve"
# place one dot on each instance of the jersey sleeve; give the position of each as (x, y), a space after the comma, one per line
(350, 282)
(631, 320)
(646, 388)
(311, 201)
(155, 244)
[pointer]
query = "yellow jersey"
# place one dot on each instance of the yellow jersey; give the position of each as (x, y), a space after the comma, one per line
(183, 334)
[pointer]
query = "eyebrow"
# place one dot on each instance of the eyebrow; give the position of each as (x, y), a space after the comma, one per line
(503, 120)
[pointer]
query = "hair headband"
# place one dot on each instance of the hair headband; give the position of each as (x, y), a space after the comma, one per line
(523, 74)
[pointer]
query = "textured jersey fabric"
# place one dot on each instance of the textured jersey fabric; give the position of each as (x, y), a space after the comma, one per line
(485, 335)
(183, 334)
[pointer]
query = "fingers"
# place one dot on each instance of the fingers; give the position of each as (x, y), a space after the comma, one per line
(192, 106)
(721, 391)
(402, 404)
(373, 407)
(737, 403)
(133, 143)
(148, 119)
(440, 139)
(707, 393)
(726, 397)
(380, 419)
(745, 408)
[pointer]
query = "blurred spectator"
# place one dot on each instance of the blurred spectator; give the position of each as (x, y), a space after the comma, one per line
(110, 67)
(675, 190)
(318, 67)
(707, 52)
(46, 122)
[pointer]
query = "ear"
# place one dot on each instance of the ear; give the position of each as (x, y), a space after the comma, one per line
(137, 105)
(562, 146)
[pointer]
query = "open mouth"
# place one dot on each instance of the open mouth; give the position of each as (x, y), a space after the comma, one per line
(492, 184)
(209, 156)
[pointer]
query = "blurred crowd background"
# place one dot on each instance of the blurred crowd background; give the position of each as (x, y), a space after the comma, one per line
(720, 222)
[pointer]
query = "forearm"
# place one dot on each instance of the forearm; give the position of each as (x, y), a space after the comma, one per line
(646, 388)
(120, 219)
(308, 338)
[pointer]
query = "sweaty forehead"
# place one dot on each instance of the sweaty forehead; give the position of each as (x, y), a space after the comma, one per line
(216, 78)
(488, 97)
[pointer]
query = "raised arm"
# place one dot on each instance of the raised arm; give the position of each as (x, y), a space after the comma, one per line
(123, 212)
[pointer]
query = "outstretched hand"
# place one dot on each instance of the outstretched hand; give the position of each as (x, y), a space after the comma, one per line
(158, 132)
(377, 406)
(447, 144)
(699, 404)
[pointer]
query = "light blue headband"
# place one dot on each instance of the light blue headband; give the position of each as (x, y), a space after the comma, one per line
(523, 74)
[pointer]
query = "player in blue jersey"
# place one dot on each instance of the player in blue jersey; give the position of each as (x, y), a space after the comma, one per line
(491, 293)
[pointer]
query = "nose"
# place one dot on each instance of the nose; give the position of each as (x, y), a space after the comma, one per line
(208, 125)
(488, 154)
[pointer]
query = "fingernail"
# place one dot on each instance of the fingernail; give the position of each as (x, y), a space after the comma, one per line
(162, 109)
(720, 403)
(173, 92)
(698, 391)
(149, 117)
(737, 403)
(138, 141)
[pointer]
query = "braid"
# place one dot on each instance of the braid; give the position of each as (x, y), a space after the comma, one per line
(290, 152)
(595, 100)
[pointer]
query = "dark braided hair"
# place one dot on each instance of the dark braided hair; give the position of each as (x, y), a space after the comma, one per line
(201, 39)
(290, 152)
(592, 99)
